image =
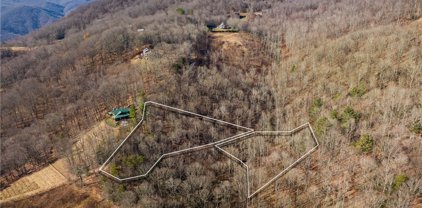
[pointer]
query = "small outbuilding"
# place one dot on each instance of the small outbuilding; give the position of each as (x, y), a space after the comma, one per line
(223, 28)
(119, 113)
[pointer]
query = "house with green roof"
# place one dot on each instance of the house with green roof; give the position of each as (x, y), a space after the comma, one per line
(119, 113)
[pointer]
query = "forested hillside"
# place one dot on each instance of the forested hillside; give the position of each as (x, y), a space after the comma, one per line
(351, 68)
(23, 16)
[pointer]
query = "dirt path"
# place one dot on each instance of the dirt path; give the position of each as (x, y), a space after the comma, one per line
(50, 177)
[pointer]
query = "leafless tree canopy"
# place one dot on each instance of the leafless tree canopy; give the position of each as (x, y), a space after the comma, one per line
(352, 68)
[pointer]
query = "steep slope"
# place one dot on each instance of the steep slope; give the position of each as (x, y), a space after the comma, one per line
(70, 5)
(351, 68)
(362, 93)
(21, 17)
(64, 196)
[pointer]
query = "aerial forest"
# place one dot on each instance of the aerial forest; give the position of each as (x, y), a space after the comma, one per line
(353, 69)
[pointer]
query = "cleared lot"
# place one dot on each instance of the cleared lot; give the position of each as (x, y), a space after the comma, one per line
(38, 182)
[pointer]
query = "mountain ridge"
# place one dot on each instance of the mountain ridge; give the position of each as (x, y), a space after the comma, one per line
(22, 17)
(349, 68)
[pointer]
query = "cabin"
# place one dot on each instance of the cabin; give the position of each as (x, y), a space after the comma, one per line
(119, 113)
(145, 51)
(223, 28)
(248, 16)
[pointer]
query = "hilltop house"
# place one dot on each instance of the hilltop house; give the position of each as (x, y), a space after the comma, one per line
(223, 28)
(119, 113)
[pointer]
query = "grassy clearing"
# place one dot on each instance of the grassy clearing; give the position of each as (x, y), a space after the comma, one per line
(38, 182)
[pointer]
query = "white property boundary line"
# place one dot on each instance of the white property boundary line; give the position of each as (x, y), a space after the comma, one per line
(216, 144)
(174, 153)
(291, 132)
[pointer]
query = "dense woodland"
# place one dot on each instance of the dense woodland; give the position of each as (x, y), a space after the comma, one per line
(351, 68)
(164, 131)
